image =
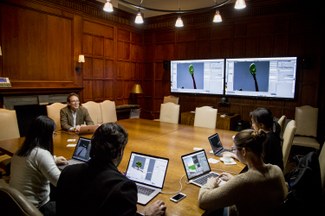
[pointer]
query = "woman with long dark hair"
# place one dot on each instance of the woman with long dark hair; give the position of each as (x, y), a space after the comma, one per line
(33, 167)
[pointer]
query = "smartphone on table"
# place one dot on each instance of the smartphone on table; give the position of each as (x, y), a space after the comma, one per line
(178, 197)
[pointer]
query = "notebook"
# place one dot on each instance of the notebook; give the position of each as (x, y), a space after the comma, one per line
(81, 152)
(149, 173)
(216, 145)
(197, 167)
(87, 129)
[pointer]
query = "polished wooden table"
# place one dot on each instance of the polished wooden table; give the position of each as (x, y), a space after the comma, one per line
(162, 139)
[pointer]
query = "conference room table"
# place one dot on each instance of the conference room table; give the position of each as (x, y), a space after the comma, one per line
(160, 139)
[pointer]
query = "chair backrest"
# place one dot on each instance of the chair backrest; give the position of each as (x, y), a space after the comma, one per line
(53, 112)
(321, 159)
(9, 125)
(94, 111)
(108, 111)
(206, 117)
(169, 112)
(282, 122)
(15, 203)
(306, 120)
(171, 98)
(288, 134)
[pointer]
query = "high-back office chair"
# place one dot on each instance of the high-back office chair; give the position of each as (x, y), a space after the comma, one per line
(108, 111)
(306, 132)
(9, 125)
(15, 203)
(53, 112)
(94, 111)
(171, 98)
(206, 117)
(282, 123)
(321, 159)
(169, 112)
(288, 134)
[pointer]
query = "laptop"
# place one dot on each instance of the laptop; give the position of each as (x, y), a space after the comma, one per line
(87, 129)
(197, 168)
(81, 152)
(148, 172)
(216, 145)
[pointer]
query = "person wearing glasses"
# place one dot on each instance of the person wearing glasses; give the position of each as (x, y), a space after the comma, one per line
(73, 116)
(259, 191)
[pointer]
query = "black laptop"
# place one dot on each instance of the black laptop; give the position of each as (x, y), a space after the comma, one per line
(216, 145)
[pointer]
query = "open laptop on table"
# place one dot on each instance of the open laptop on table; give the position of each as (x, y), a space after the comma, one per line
(81, 152)
(197, 167)
(149, 173)
(87, 129)
(216, 145)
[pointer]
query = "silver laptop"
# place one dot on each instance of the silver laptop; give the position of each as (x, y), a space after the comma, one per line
(81, 152)
(216, 145)
(149, 173)
(197, 167)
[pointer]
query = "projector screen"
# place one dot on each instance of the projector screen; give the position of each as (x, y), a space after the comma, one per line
(273, 77)
(204, 76)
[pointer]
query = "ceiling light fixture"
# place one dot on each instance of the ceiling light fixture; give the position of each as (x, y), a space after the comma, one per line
(240, 4)
(138, 18)
(108, 7)
(179, 22)
(217, 17)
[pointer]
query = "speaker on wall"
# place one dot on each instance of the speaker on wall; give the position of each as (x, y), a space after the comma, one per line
(166, 65)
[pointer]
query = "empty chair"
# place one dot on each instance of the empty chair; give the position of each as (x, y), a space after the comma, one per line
(9, 125)
(282, 122)
(53, 112)
(15, 203)
(306, 132)
(171, 98)
(321, 159)
(94, 110)
(169, 112)
(108, 111)
(205, 117)
(288, 135)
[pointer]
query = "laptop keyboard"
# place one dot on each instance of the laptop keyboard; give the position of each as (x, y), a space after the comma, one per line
(144, 190)
(203, 180)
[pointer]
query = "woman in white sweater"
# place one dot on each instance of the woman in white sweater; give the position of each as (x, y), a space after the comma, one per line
(34, 167)
(257, 192)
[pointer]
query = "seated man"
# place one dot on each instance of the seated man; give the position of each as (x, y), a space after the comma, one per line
(73, 115)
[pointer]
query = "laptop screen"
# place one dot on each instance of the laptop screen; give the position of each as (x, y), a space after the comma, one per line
(82, 149)
(196, 164)
(147, 169)
(215, 141)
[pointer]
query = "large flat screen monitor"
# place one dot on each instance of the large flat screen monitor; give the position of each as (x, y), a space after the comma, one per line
(205, 76)
(261, 77)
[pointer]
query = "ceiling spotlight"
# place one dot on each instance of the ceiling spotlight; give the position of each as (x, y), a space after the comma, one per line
(179, 22)
(217, 17)
(138, 18)
(240, 4)
(108, 7)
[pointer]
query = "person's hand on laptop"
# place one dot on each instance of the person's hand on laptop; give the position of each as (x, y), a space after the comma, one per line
(60, 160)
(157, 208)
(225, 176)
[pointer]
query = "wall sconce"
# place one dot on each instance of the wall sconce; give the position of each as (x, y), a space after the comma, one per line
(81, 60)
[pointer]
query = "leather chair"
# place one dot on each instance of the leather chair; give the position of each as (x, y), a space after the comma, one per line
(282, 123)
(53, 112)
(169, 112)
(15, 203)
(206, 117)
(108, 111)
(171, 98)
(9, 124)
(94, 110)
(306, 132)
(288, 134)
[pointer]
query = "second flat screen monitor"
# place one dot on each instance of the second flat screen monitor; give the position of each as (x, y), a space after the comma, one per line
(204, 76)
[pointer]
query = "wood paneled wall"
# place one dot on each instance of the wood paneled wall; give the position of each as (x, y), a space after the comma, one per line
(41, 41)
